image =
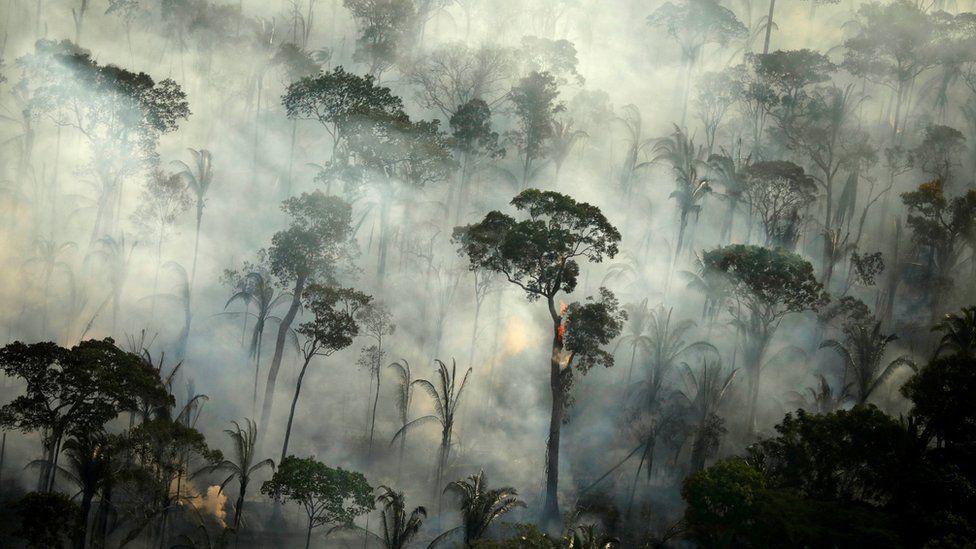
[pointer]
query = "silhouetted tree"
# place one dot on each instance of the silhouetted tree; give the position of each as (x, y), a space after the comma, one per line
(767, 285)
(335, 312)
(327, 495)
(308, 251)
(243, 465)
(540, 255)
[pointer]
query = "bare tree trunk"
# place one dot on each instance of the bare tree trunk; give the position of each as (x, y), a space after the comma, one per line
(294, 402)
(550, 512)
(769, 26)
(283, 328)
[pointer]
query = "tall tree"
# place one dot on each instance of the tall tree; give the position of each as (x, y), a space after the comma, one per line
(332, 328)
(198, 180)
(541, 255)
(76, 390)
(693, 24)
(446, 395)
(308, 251)
(475, 143)
(404, 397)
(377, 323)
(535, 104)
(162, 203)
(335, 99)
(399, 528)
(778, 192)
(120, 115)
(686, 160)
(894, 44)
(767, 285)
(863, 352)
(254, 286)
(387, 29)
(938, 225)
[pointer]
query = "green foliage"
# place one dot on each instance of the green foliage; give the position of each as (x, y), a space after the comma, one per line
(399, 528)
(119, 111)
(940, 224)
(937, 154)
(958, 332)
(539, 254)
(893, 45)
(47, 519)
(941, 394)
(315, 242)
(535, 106)
(75, 390)
(471, 129)
(863, 352)
(328, 496)
(771, 283)
(591, 325)
(722, 501)
(778, 191)
(338, 98)
(334, 312)
(481, 506)
(847, 455)
(386, 29)
(695, 23)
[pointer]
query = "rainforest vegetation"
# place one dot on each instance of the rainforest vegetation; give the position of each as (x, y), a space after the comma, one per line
(487, 273)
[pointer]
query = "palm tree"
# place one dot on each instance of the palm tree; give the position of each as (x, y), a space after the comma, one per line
(728, 172)
(181, 297)
(666, 346)
(116, 255)
(637, 147)
(48, 257)
(563, 139)
(243, 465)
(198, 179)
(958, 332)
(480, 506)
(403, 398)
(823, 399)
(635, 335)
(255, 288)
(706, 390)
(447, 397)
(91, 464)
(398, 527)
(714, 286)
(863, 351)
(686, 160)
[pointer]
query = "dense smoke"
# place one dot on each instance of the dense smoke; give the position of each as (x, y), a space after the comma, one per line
(101, 236)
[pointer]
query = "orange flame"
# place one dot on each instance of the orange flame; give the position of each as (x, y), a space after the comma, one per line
(561, 330)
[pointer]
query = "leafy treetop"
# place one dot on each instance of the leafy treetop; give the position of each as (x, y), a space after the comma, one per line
(540, 254)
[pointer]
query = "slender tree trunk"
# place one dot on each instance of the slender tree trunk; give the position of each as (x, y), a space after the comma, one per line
(294, 402)
(633, 359)
(550, 512)
(376, 398)
(308, 533)
(279, 352)
(384, 240)
(291, 156)
(769, 26)
(239, 509)
(81, 536)
(196, 244)
(3, 451)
